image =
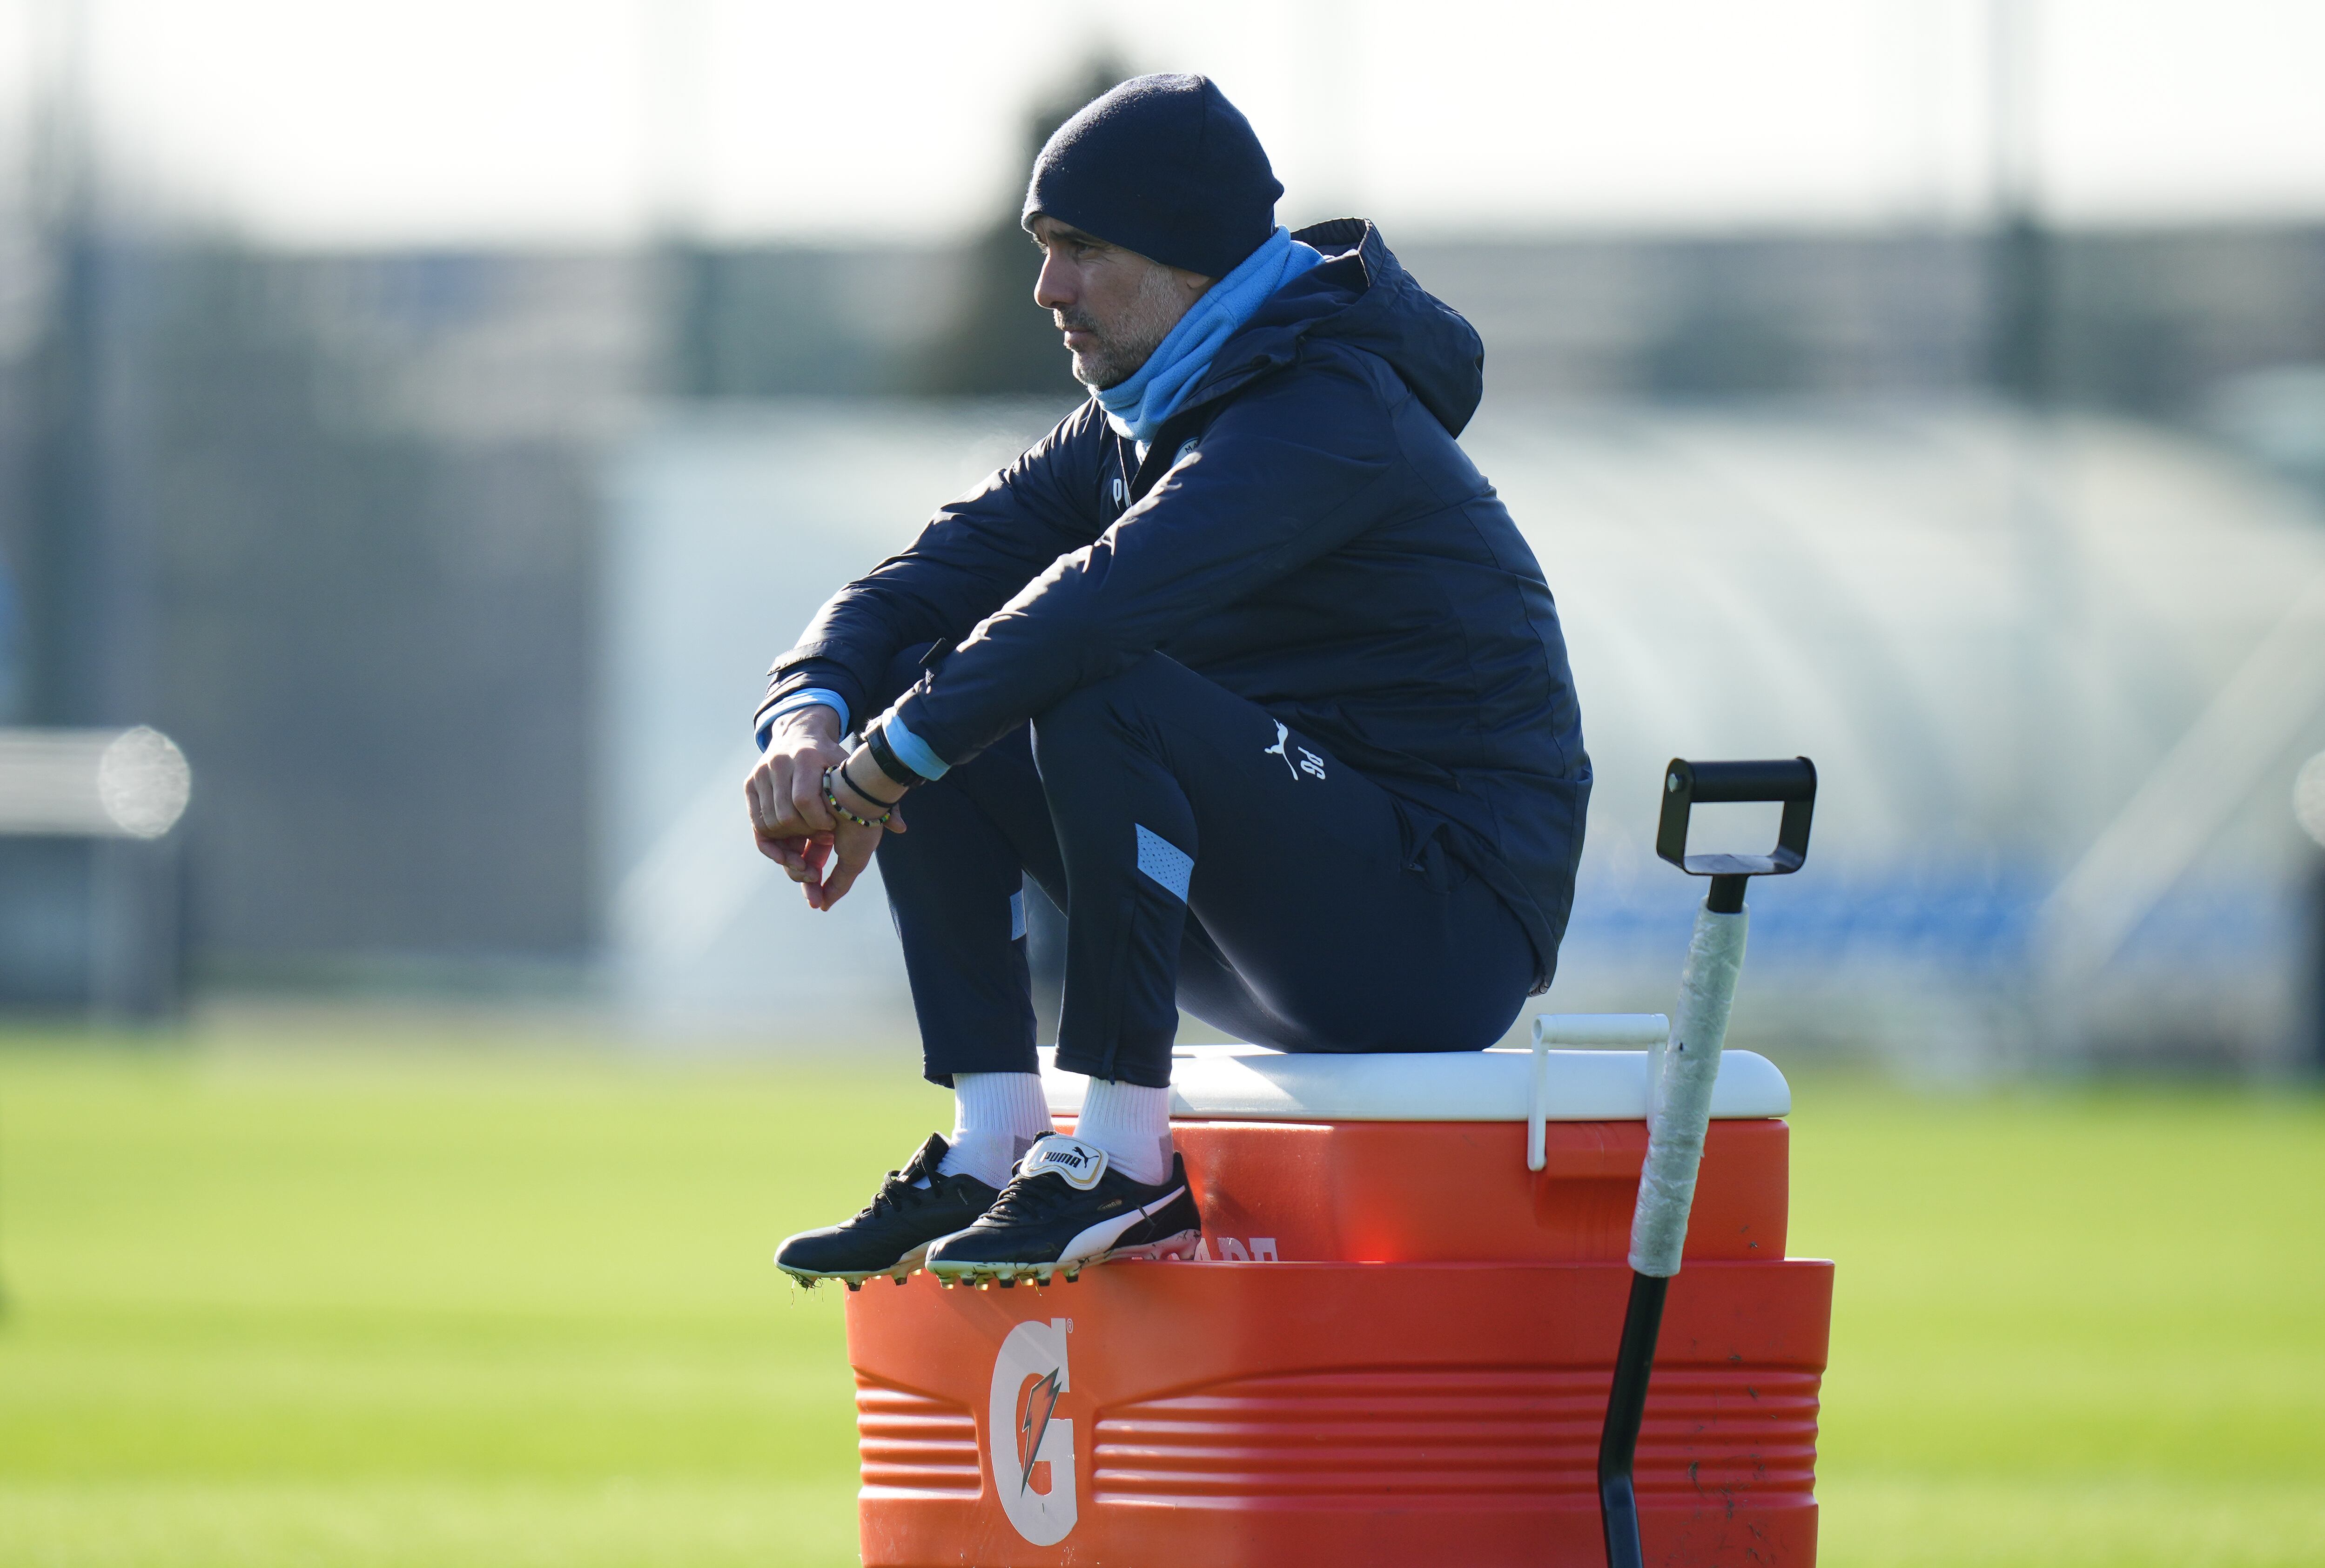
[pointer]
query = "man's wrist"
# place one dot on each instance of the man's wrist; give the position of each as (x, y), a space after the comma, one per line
(815, 722)
(852, 804)
(859, 764)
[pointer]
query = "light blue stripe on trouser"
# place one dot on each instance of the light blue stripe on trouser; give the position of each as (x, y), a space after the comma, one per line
(1168, 866)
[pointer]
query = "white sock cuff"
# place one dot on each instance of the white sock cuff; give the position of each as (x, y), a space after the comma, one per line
(996, 1116)
(1011, 1101)
(1132, 1123)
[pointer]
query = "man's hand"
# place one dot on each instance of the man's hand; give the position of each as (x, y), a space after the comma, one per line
(793, 826)
(852, 843)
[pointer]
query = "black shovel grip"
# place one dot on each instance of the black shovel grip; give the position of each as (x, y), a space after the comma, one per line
(1790, 780)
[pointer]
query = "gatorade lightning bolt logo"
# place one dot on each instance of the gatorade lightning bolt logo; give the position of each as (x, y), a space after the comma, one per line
(1030, 1437)
(1028, 1376)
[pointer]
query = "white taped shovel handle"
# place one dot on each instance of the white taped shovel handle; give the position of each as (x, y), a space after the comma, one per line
(1680, 1098)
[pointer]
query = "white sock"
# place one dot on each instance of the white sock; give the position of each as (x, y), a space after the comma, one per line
(996, 1118)
(1132, 1123)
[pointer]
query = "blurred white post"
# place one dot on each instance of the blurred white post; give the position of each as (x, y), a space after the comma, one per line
(2257, 715)
(118, 793)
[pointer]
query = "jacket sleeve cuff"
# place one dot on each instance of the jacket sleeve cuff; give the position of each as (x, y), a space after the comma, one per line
(792, 702)
(912, 750)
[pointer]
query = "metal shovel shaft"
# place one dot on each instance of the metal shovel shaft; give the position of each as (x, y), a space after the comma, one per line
(1678, 1114)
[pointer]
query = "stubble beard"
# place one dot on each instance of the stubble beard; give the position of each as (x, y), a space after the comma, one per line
(1129, 343)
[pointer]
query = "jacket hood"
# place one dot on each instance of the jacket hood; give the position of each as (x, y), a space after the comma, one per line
(1360, 296)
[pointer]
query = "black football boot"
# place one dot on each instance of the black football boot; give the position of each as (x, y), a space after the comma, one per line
(1065, 1209)
(893, 1233)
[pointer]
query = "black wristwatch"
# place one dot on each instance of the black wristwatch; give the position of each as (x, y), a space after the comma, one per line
(876, 741)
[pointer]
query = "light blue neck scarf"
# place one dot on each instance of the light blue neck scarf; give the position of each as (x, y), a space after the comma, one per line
(1138, 407)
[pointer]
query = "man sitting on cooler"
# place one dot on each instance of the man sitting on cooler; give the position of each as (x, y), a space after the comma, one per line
(1243, 663)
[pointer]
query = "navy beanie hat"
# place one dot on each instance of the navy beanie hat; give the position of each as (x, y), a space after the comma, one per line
(1163, 165)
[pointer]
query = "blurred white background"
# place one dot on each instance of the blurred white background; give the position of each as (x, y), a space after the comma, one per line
(369, 121)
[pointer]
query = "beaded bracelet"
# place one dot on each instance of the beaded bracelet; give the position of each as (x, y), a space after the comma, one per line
(831, 800)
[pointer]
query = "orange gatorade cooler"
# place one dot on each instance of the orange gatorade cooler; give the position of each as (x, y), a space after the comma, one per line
(1395, 1346)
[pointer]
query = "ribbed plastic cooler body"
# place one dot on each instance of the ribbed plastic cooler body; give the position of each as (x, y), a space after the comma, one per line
(1395, 1350)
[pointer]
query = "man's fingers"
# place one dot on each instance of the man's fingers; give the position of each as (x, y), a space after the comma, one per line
(789, 853)
(851, 854)
(810, 852)
(807, 798)
(813, 852)
(897, 818)
(836, 885)
(769, 790)
(759, 793)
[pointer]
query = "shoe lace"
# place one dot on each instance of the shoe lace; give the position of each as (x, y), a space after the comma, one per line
(1036, 1196)
(898, 1191)
(888, 1197)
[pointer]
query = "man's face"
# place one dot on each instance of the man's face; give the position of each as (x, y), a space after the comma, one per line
(1113, 305)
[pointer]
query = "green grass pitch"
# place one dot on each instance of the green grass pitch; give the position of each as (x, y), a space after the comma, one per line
(499, 1308)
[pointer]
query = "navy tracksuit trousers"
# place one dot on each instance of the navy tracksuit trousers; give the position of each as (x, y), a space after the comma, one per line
(1204, 857)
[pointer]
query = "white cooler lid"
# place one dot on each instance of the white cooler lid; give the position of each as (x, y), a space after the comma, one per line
(1253, 1083)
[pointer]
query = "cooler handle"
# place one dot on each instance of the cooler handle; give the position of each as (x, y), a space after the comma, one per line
(1635, 1030)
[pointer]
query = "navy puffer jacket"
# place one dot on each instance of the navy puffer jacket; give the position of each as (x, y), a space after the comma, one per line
(1306, 532)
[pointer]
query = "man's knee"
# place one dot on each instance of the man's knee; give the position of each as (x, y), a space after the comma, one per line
(1115, 708)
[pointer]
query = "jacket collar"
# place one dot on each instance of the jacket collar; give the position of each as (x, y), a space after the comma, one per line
(1270, 340)
(1360, 295)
